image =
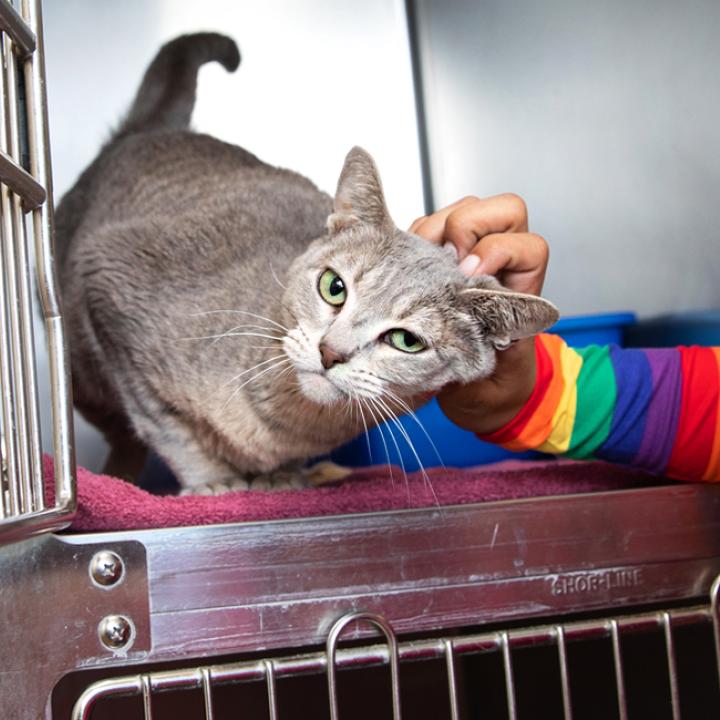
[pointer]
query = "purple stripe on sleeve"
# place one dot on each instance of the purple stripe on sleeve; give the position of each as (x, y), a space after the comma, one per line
(663, 411)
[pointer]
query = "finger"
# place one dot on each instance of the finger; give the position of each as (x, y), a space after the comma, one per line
(431, 227)
(470, 222)
(518, 260)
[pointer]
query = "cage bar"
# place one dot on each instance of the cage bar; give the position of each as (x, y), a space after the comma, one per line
(385, 628)
(509, 679)
(334, 658)
(26, 188)
(63, 440)
(21, 182)
(146, 697)
(619, 675)
(272, 691)
(207, 694)
(32, 479)
(16, 27)
(452, 681)
(672, 665)
(12, 389)
(564, 677)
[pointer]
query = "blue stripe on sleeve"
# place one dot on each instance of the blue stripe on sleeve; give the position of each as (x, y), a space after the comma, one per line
(633, 377)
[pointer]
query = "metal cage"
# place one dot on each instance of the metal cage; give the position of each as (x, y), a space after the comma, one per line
(26, 208)
(470, 581)
(446, 649)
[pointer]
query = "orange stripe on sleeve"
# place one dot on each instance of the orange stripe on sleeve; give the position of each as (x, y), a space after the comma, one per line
(543, 374)
(538, 429)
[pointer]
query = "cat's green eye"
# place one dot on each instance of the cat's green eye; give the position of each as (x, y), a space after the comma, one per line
(405, 341)
(332, 288)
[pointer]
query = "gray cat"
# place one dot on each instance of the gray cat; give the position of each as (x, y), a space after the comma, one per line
(235, 319)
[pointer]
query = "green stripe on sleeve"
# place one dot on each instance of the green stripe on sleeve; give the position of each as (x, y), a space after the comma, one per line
(596, 395)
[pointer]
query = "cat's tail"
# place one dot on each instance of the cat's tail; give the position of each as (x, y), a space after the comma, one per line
(167, 94)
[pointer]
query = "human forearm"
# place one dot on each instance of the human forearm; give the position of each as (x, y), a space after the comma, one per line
(655, 409)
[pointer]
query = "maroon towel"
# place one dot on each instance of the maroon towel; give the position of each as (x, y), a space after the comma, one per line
(107, 503)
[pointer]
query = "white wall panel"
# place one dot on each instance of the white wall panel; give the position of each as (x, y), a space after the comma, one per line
(317, 77)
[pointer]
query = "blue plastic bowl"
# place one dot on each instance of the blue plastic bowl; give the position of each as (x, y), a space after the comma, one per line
(444, 443)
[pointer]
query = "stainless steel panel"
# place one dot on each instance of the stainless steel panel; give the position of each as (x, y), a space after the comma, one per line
(265, 585)
(52, 609)
(203, 592)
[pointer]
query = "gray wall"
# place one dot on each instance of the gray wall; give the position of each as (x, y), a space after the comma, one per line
(605, 116)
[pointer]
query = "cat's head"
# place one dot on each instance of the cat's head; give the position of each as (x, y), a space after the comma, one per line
(376, 312)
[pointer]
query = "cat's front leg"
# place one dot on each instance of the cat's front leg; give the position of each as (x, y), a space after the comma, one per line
(197, 470)
(290, 476)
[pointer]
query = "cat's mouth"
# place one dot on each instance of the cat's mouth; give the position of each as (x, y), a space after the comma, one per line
(318, 388)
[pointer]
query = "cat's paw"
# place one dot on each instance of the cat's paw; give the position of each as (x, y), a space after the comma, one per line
(325, 473)
(278, 480)
(322, 473)
(294, 478)
(218, 487)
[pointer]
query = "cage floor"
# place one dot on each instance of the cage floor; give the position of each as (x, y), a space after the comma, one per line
(106, 503)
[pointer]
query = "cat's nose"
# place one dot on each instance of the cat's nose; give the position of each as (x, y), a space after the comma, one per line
(330, 357)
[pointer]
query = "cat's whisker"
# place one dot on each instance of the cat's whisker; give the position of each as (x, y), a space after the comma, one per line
(381, 413)
(254, 378)
(367, 391)
(367, 435)
(240, 334)
(371, 381)
(244, 312)
(378, 427)
(275, 277)
(409, 411)
(256, 326)
(254, 367)
(286, 371)
(232, 331)
(247, 382)
(367, 384)
(251, 334)
(406, 437)
(349, 408)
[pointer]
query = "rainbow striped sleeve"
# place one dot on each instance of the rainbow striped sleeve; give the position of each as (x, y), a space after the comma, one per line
(655, 409)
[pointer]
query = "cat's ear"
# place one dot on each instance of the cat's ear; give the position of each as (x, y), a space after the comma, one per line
(506, 316)
(359, 197)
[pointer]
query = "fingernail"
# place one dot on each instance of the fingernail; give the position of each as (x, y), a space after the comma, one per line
(469, 265)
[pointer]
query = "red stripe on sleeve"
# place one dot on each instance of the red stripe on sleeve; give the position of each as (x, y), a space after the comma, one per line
(698, 414)
(543, 376)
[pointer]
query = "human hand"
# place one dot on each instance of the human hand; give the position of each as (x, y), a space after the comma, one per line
(491, 237)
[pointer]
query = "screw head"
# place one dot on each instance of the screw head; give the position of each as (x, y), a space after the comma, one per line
(106, 568)
(115, 631)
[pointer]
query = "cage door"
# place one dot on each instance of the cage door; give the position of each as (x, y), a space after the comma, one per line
(29, 501)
